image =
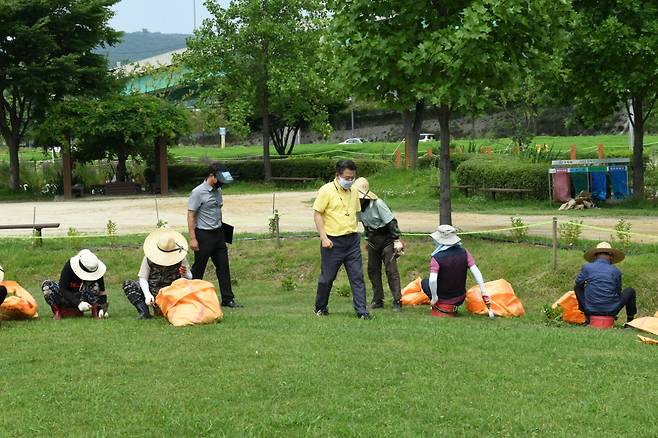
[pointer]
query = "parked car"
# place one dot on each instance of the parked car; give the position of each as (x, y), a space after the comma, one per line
(355, 140)
(426, 137)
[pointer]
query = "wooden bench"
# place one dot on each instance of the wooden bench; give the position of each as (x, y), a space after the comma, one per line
(495, 190)
(292, 179)
(121, 188)
(464, 187)
(36, 227)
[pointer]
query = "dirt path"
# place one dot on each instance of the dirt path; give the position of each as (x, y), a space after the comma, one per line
(249, 213)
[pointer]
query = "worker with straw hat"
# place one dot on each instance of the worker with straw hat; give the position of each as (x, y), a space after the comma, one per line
(165, 260)
(598, 284)
(384, 244)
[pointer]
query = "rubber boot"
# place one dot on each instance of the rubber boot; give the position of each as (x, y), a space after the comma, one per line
(143, 310)
(57, 313)
(94, 311)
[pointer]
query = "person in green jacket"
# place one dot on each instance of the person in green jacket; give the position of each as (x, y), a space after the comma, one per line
(384, 244)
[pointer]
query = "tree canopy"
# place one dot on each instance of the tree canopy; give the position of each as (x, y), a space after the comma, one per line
(259, 59)
(451, 54)
(613, 64)
(115, 127)
(45, 55)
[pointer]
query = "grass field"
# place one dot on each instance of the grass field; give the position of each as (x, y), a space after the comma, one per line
(374, 149)
(274, 369)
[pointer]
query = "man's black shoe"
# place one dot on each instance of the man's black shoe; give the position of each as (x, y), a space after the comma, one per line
(364, 316)
(233, 304)
(376, 305)
(322, 312)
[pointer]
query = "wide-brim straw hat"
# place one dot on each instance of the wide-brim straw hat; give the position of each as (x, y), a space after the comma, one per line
(87, 266)
(604, 248)
(446, 235)
(165, 247)
(363, 188)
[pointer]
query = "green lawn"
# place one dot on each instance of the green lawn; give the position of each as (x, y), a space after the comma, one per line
(374, 149)
(274, 369)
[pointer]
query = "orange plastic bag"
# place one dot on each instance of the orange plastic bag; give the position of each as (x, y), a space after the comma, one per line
(19, 304)
(413, 294)
(570, 311)
(646, 340)
(189, 302)
(647, 324)
(503, 300)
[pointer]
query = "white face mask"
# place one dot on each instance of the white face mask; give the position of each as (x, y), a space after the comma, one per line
(345, 183)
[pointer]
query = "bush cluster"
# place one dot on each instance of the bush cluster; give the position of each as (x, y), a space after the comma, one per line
(489, 171)
(252, 170)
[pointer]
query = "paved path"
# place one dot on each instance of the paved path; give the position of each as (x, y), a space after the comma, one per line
(249, 213)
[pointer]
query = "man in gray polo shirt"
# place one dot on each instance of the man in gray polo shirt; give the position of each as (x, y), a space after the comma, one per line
(207, 238)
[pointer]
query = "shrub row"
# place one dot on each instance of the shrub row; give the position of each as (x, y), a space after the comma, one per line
(489, 171)
(433, 161)
(252, 170)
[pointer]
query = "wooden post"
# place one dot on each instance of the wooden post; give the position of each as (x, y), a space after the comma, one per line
(572, 152)
(398, 158)
(554, 243)
(164, 170)
(66, 172)
(600, 149)
(429, 152)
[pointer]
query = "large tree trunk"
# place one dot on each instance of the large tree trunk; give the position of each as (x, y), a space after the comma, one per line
(14, 168)
(638, 148)
(122, 172)
(413, 123)
(445, 202)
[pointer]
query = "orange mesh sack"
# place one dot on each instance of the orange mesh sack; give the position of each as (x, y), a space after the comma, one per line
(413, 294)
(570, 311)
(189, 302)
(19, 304)
(503, 300)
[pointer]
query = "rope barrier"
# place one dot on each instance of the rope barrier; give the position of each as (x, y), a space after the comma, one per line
(627, 233)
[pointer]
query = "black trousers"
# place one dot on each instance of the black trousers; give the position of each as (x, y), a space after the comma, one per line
(381, 251)
(212, 245)
(346, 251)
(627, 300)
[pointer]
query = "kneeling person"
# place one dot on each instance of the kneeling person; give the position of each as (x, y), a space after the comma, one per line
(165, 260)
(81, 288)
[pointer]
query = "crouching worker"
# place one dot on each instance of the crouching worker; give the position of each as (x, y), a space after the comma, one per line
(81, 288)
(384, 244)
(165, 260)
(446, 286)
(598, 285)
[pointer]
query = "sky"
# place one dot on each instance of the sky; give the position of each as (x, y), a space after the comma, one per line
(166, 16)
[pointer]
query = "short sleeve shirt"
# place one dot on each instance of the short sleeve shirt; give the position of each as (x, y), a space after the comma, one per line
(206, 202)
(339, 209)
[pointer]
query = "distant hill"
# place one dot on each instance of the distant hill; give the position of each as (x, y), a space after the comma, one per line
(140, 45)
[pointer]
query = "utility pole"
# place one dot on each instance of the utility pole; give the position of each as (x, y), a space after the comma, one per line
(194, 12)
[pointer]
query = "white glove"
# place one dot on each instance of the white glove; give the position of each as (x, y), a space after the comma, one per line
(84, 306)
(149, 299)
(398, 246)
(434, 299)
(103, 314)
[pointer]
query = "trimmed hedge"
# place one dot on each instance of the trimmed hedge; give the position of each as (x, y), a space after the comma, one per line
(491, 171)
(455, 160)
(252, 170)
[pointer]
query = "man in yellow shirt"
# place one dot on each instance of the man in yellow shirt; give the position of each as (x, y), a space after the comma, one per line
(335, 214)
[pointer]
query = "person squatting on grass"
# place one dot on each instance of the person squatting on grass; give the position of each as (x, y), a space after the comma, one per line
(81, 288)
(207, 235)
(164, 262)
(446, 285)
(384, 244)
(598, 285)
(335, 214)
